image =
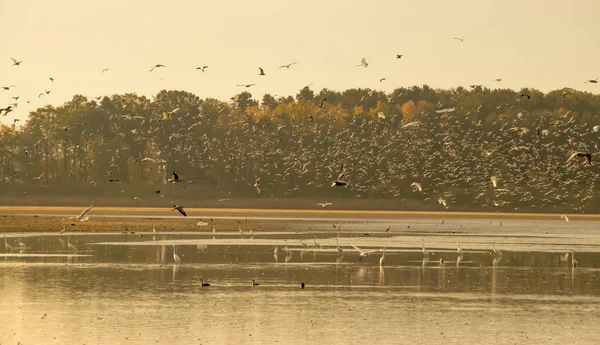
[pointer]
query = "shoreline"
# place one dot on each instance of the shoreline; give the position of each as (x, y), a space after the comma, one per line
(30, 219)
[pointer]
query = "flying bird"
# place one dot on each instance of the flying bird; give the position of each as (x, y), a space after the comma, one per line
(593, 81)
(180, 209)
(498, 80)
(461, 38)
(322, 102)
(363, 63)
(202, 68)
(362, 254)
(587, 155)
(105, 70)
(262, 72)
(382, 79)
(399, 56)
(245, 85)
(156, 66)
(416, 186)
(257, 186)
(82, 216)
(175, 178)
(526, 95)
(324, 204)
(15, 62)
(339, 181)
(287, 66)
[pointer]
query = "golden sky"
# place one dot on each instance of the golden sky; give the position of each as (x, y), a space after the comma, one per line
(544, 44)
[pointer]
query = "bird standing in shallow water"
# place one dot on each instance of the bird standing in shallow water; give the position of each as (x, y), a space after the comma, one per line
(254, 283)
(176, 257)
(302, 285)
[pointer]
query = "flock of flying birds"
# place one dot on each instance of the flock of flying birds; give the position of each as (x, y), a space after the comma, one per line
(451, 161)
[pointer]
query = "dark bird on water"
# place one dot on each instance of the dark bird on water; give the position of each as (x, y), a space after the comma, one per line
(254, 283)
(180, 209)
(203, 283)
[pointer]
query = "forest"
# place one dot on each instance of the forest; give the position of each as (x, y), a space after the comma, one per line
(414, 148)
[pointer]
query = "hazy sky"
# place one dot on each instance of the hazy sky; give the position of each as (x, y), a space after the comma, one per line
(545, 44)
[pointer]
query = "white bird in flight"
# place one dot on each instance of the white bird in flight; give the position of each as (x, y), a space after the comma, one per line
(363, 63)
(82, 216)
(416, 186)
(324, 204)
(362, 254)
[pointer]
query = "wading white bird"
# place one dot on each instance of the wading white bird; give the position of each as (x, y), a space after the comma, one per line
(382, 260)
(574, 262)
(82, 216)
(496, 251)
(338, 248)
(7, 245)
(425, 251)
(176, 257)
(459, 249)
(71, 245)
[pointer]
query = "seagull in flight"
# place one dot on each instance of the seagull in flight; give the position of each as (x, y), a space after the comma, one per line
(461, 38)
(287, 66)
(156, 66)
(339, 181)
(363, 63)
(202, 68)
(362, 254)
(262, 72)
(15, 62)
(593, 81)
(587, 155)
(245, 85)
(180, 209)
(324, 204)
(105, 70)
(416, 186)
(82, 216)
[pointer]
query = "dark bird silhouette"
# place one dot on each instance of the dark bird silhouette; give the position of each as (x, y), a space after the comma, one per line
(322, 102)
(105, 70)
(399, 56)
(51, 79)
(15, 62)
(587, 155)
(254, 283)
(245, 85)
(156, 66)
(287, 66)
(302, 285)
(202, 68)
(382, 79)
(526, 95)
(262, 72)
(203, 283)
(175, 178)
(180, 209)
(593, 81)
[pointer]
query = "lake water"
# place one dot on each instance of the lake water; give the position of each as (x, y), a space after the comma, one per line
(114, 288)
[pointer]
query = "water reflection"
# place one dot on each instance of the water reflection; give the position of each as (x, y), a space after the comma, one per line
(119, 288)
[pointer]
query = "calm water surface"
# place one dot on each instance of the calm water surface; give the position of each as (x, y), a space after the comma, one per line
(125, 288)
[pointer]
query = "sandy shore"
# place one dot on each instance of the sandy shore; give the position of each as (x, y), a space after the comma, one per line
(53, 218)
